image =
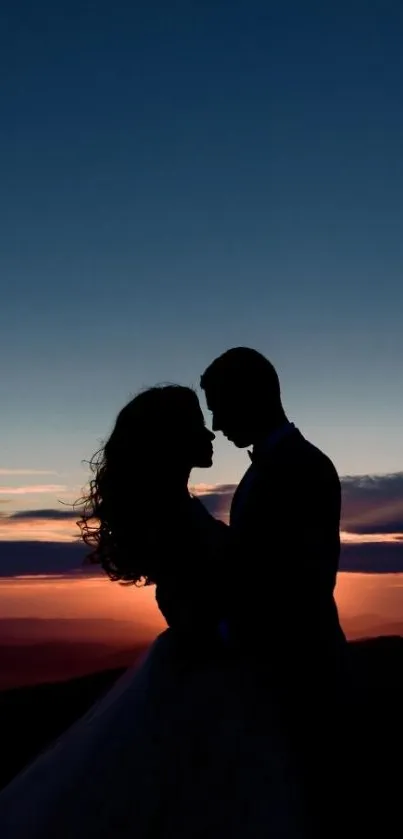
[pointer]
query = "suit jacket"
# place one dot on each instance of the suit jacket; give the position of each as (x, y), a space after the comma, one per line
(285, 519)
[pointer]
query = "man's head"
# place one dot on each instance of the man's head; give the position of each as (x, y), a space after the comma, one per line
(243, 393)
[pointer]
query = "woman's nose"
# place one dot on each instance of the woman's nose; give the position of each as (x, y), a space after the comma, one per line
(212, 435)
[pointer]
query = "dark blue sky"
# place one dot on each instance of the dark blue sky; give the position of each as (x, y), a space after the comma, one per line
(179, 177)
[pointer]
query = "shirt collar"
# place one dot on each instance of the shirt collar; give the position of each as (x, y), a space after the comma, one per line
(269, 442)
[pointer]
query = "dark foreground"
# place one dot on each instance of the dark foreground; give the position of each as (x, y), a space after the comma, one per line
(32, 717)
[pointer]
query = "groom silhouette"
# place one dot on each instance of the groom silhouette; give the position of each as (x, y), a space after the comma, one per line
(285, 514)
(279, 604)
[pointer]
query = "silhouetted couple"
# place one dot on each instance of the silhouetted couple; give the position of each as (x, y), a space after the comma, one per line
(267, 579)
(261, 590)
(218, 731)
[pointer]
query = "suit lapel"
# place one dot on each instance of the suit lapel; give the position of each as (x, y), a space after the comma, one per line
(241, 494)
(264, 462)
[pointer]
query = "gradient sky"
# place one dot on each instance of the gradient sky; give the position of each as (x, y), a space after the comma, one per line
(181, 177)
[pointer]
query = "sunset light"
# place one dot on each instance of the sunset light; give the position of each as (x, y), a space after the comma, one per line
(201, 341)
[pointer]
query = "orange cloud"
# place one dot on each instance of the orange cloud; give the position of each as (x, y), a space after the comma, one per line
(32, 489)
(38, 529)
(370, 538)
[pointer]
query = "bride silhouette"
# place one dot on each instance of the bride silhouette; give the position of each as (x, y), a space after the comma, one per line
(139, 519)
(183, 745)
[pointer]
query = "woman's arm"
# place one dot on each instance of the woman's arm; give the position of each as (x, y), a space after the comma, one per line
(191, 591)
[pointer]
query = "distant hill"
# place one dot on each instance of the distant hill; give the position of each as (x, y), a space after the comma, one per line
(32, 717)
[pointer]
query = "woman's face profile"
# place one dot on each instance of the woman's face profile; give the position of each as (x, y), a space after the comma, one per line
(198, 440)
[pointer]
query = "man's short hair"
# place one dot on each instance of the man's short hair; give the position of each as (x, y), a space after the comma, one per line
(242, 367)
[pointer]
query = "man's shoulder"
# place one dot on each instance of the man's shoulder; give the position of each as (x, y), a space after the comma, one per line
(310, 456)
(295, 454)
(295, 459)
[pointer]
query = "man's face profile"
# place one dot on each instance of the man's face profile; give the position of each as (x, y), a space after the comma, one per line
(229, 415)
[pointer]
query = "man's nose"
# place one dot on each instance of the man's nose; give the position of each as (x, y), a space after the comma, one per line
(215, 424)
(212, 435)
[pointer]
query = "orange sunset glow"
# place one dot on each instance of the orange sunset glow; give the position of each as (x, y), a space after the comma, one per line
(85, 622)
(74, 623)
(41, 530)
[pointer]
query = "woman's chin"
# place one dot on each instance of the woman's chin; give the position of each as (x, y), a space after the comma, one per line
(204, 463)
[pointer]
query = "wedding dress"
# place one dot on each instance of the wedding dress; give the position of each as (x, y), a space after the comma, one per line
(172, 751)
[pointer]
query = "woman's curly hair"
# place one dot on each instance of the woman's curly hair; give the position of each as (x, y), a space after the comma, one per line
(117, 520)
